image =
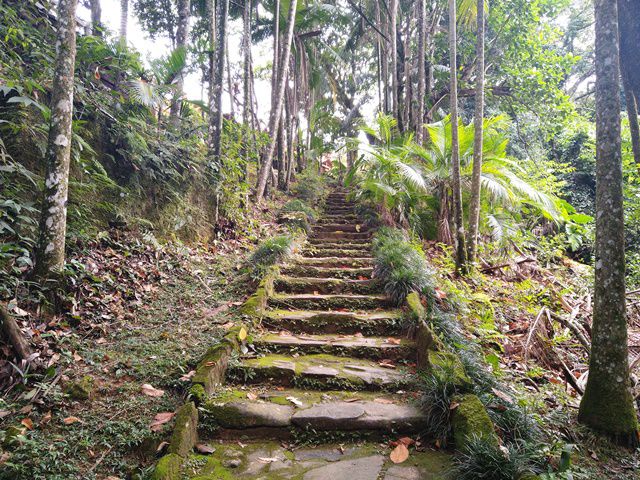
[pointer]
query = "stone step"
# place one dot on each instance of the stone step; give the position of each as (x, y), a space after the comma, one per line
(341, 236)
(339, 411)
(320, 372)
(360, 273)
(380, 322)
(339, 227)
(347, 218)
(343, 262)
(345, 245)
(357, 346)
(316, 241)
(336, 253)
(287, 284)
(310, 301)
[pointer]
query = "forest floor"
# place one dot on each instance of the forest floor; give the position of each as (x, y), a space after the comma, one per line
(141, 316)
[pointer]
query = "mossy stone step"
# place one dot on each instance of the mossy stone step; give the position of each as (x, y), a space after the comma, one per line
(357, 346)
(310, 301)
(389, 322)
(342, 235)
(324, 285)
(315, 241)
(320, 372)
(339, 245)
(327, 272)
(347, 218)
(339, 227)
(363, 461)
(338, 253)
(337, 262)
(337, 411)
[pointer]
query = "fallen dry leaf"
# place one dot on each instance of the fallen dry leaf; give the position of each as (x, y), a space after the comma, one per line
(399, 454)
(251, 396)
(27, 422)
(46, 418)
(162, 446)
(242, 334)
(295, 401)
(70, 420)
(159, 420)
(151, 391)
(393, 341)
(187, 376)
(384, 401)
(268, 459)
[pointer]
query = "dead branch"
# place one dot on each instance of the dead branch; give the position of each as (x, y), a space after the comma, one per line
(508, 264)
(574, 329)
(10, 329)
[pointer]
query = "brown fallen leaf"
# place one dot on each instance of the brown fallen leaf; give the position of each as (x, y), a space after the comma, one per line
(406, 441)
(187, 376)
(159, 420)
(162, 446)
(151, 391)
(393, 341)
(27, 422)
(4, 457)
(46, 418)
(251, 396)
(383, 401)
(399, 454)
(70, 420)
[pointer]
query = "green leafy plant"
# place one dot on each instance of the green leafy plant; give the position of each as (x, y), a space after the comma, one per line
(270, 252)
(299, 206)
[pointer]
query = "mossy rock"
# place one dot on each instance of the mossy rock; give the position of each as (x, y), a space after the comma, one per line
(168, 468)
(185, 431)
(197, 393)
(448, 366)
(417, 312)
(470, 419)
(80, 389)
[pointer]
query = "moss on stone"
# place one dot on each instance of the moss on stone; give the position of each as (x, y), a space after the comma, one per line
(470, 418)
(185, 433)
(80, 389)
(448, 366)
(416, 310)
(197, 392)
(168, 468)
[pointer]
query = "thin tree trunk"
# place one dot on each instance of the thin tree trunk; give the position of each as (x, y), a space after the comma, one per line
(422, 81)
(474, 209)
(607, 404)
(630, 63)
(96, 18)
(393, 20)
(53, 217)
(461, 263)
(215, 108)
(632, 114)
(182, 36)
(232, 97)
(124, 20)
(274, 117)
(247, 151)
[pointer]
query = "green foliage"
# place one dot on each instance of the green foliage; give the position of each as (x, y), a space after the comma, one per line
(271, 251)
(400, 266)
(311, 187)
(298, 205)
(482, 458)
(436, 393)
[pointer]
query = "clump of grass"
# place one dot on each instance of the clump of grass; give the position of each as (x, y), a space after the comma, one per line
(299, 206)
(482, 458)
(400, 266)
(271, 251)
(436, 392)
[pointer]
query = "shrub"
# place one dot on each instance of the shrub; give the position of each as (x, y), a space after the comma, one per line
(299, 206)
(482, 458)
(400, 266)
(435, 402)
(270, 252)
(311, 187)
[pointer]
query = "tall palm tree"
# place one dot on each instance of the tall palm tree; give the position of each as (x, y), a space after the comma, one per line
(461, 253)
(474, 208)
(607, 404)
(53, 221)
(275, 114)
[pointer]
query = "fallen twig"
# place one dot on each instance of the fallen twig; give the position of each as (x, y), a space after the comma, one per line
(508, 264)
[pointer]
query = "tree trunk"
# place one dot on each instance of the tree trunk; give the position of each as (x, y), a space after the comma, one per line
(215, 107)
(607, 404)
(630, 64)
(11, 331)
(461, 264)
(53, 216)
(96, 18)
(393, 20)
(247, 151)
(422, 81)
(274, 117)
(124, 20)
(182, 38)
(474, 209)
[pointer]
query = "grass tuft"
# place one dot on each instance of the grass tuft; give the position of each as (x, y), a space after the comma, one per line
(270, 252)
(299, 206)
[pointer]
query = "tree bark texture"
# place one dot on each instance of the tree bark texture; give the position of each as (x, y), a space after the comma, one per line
(607, 404)
(53, 217)
(124, 20)
(629, 31)
(182, 38)
(215, 109)
(422, 81)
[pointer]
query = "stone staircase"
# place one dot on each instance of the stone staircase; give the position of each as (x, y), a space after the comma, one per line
(329, 365)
